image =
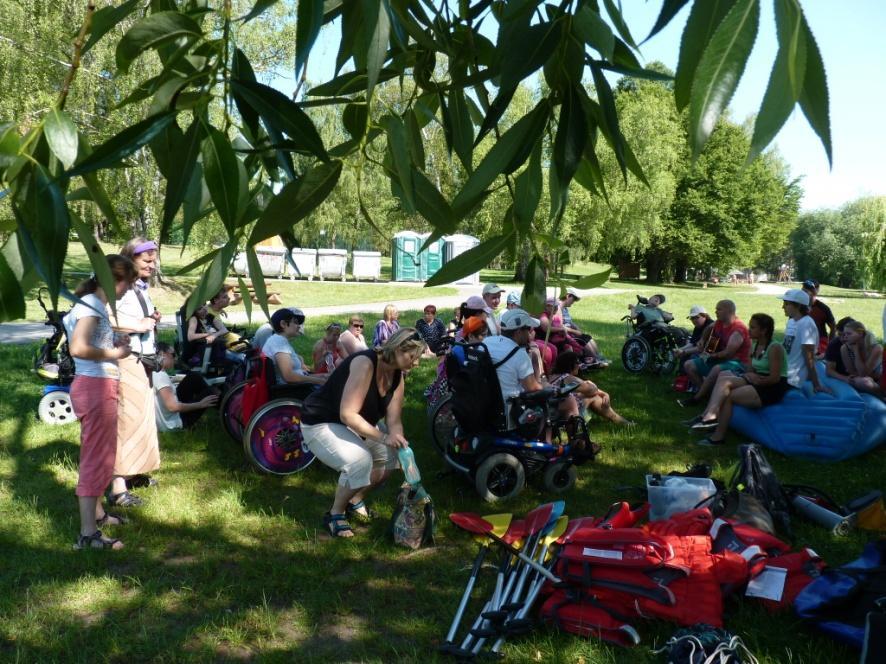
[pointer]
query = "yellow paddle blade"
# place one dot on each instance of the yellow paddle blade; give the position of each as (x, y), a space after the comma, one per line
(558, 529)
(499, 522)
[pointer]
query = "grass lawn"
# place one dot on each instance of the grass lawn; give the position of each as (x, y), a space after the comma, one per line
(224, 564)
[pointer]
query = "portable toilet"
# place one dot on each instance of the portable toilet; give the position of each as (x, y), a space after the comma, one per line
(453, 245)
(431, 259)
(405, 264)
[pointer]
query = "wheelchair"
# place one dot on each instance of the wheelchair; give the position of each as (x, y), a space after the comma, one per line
(651, 345)
(54, 364)
(271, 437)
(501, 455)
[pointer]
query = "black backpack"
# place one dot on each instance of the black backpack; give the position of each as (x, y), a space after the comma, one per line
(754, 476)
(476, 395)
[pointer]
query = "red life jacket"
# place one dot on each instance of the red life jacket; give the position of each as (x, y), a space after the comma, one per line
(580, 613)
(693, 522)
(802, 568)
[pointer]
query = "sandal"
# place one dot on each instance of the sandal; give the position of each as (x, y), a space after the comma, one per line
(124, 499)
(141, 482)
(359, 511)
(96, 541)
(337, 524)
(119, 520)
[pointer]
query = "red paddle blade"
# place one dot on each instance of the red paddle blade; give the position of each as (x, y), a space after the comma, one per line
(471, 522)
(574, 526)
(516, 531)
(538, 518)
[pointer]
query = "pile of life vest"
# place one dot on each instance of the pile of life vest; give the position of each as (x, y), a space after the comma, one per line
(615, 573)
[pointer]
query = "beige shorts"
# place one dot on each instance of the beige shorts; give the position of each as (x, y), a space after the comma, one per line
(341, 449)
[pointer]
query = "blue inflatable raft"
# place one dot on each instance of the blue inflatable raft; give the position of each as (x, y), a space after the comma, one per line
(821, 427)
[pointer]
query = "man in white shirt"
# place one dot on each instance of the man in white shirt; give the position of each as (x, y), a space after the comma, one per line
(800, 340)
(492, 298)
(515, 375)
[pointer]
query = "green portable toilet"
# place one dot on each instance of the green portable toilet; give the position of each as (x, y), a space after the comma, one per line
(405, 265)
(431, 259)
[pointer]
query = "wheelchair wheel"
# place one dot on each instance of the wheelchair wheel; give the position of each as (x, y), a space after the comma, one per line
(442, 425)
(273, 441)
(231, 411)
(635, 354)
(500, 477)
(55, 408)
(663, 361)
(559, 477)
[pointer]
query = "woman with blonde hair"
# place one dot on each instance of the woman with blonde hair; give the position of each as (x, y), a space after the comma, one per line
(863, 358)
(341, 423)
(138, 449)
(97, 355)
(387, 326)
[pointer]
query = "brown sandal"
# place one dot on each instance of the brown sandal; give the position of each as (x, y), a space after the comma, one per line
(96, 541)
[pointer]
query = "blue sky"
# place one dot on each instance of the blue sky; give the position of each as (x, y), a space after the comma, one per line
(851, 35)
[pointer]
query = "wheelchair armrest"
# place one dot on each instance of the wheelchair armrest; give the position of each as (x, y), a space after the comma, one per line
(543, 394)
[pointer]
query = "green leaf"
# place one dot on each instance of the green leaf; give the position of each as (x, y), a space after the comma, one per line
(399, 150)
(496, 110)
(61, 134)
(220, 174)
(118, 147)
(354, 81)
(593, 280)
(12, 300)
(247, 297)
(297, 200)
(533, 296)
(196, 202)
(704, 19)
(814, 100)
(378, 26)
(720, 70)
(462, 127)
(241, 70)
(527, 49)
(258, 281)
(259, 8)
(786, 80)
(527, 191)
(105, 19)
(572, 135)
(197, 262)
(471, 261)
(97, 259)
(212, 279)
(590, 27)
(354, 118)
(430, 204)
(181, 170)
(506, 156)
(9, 145)
(416, 141)
(16, 257)
(282, 114)
(608, 124)
(154, 31)
(309, 20)
(669, 9)
(618, 21)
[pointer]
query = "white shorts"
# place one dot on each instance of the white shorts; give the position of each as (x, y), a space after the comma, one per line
(341, 449)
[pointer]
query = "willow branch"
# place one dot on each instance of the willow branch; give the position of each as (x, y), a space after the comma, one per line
(75, 59)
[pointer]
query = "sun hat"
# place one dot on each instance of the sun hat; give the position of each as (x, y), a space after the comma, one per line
(475, 302)
(696, 310)
(514, 298)
(796, 296)
(514, 319)
(489, 289)
(574, 293)
(472, 325)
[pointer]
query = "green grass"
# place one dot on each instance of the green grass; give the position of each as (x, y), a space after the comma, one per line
(223, 563)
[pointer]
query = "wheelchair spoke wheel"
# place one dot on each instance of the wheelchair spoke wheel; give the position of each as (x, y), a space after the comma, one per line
(55, 408)
(664, 361)
(273, 439)
(442, 425)
(500, 477)
(559, 477)
(231, 412)
(635, 354)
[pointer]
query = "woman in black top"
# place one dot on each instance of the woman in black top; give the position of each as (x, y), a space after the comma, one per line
(340, 423)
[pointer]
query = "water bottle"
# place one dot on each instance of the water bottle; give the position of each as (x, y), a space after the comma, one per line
(410, 468)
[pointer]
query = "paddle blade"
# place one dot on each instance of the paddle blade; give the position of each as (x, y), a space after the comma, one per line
(516, 532)
(574, 526)
(500, 524)
(556, 532)
(538, 518)
(557, 509)
(473, 523)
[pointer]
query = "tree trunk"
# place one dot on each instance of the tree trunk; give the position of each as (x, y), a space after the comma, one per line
(680, 271)
(654, 265)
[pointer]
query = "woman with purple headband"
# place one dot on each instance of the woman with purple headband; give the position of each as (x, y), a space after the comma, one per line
(138, 451)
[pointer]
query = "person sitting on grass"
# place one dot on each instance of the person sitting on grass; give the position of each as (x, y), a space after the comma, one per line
(387, 326)
(863, 358)
(570, 297)
(701, 321)
(340, 423)
(764, 384)
(352, 339)
(587, 397)
(329, 352)
(833, 356)
(179, 407)
(290, 368)
(431, 329)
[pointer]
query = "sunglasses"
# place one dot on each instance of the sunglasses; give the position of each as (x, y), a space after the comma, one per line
(359, 326)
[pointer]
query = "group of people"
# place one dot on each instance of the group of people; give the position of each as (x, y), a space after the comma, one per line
(729, 363)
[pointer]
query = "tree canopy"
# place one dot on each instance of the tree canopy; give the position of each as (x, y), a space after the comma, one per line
(238, 154)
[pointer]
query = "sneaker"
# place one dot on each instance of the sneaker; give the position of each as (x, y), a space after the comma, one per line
(691, 421)
(705, 424)
(707, 441)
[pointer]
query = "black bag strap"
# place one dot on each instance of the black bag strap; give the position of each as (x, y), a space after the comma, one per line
(141, 301)
(507, 357)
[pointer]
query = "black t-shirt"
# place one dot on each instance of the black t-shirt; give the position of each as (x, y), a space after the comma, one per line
(822, 315)
(833, 354)
(695, 337)
(324, 405)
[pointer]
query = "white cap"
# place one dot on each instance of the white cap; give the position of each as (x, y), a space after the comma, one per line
(574, 293)
(489, 289)
(796, 296)
(513, 298)
(696, 310)
(514, 319)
